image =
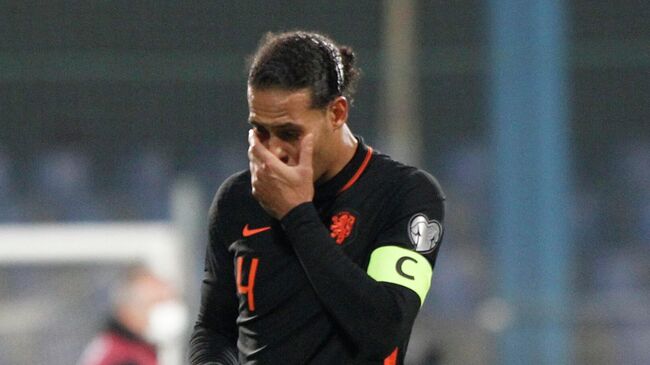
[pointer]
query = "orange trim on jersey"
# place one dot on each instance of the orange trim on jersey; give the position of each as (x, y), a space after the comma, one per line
(392, 358)
(356, 175)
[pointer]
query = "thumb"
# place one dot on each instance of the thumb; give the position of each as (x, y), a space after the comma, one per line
(306, 151)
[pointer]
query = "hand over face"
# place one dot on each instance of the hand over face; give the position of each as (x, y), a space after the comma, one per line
(277, 186)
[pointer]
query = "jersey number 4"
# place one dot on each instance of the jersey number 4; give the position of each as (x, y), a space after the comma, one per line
(247, 289)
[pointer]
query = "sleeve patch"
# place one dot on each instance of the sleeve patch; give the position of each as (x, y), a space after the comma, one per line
(425, 234)
(397, 265)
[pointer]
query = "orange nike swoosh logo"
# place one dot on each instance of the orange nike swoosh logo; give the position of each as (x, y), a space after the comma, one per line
(247, 232)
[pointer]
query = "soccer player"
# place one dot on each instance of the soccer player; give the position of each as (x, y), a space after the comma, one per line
(322, 251)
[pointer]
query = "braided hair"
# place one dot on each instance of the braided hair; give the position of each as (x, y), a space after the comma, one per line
(297, 60)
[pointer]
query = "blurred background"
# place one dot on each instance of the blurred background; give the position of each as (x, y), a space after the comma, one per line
(534, 116)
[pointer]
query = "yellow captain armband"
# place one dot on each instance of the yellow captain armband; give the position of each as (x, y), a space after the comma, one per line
(397, 265)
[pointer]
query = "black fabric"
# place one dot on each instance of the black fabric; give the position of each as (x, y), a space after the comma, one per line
(313, 301)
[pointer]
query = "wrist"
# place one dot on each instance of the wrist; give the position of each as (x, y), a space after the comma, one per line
(291, 205)
(294, 215)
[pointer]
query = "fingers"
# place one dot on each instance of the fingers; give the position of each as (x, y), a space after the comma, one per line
(306, 151)
(259, 154)
(251, 141)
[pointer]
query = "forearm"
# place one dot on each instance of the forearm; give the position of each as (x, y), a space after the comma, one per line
(376, 316)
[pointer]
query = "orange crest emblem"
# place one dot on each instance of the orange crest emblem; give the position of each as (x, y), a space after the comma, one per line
(342, 224)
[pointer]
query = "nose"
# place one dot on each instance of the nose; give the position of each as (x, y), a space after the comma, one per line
(278, 148)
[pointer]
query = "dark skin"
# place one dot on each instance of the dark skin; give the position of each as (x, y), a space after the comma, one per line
(292, 146)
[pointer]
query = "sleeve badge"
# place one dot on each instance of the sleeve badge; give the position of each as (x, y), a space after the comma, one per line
(424, 234)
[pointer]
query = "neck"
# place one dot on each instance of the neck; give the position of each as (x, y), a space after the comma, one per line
(347, 147)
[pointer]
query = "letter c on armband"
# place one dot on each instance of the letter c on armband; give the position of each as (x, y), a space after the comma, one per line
(397, 265)
(400, 263)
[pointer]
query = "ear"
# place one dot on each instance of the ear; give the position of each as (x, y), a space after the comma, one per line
(338, 112)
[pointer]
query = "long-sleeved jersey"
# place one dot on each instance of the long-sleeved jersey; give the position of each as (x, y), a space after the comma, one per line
(338, 280)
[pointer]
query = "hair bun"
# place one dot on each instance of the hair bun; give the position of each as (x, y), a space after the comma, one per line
(348, 55)
(350, 72)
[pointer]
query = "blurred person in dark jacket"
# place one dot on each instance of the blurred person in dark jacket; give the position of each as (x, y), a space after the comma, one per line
(145, 314)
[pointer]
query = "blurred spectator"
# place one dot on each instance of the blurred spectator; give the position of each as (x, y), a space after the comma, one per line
(146, 313)
(147, 173)
(64, 186)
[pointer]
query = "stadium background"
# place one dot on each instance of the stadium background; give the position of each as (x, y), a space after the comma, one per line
(105, 105)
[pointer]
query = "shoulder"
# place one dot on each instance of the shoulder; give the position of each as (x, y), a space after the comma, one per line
(234, 188)
(236, 184)
(233, 193)
(407, 179)
(107, 348)
(97, 350)
(413, 217)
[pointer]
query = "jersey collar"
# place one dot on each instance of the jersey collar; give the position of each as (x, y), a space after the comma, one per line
(348, 175)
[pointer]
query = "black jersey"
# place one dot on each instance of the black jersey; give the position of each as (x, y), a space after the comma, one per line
(338, 280)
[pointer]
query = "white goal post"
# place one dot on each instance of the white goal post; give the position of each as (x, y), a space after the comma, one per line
(156, 245)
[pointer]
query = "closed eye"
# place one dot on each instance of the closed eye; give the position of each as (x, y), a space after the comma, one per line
(288, 132)
(289, 135)
(261, 132)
